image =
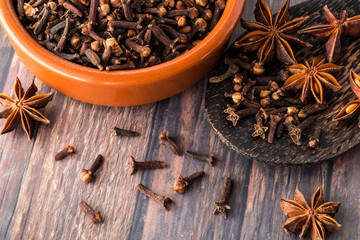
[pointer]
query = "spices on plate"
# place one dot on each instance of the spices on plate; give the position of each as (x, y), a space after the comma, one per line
(119, 35)
(24, 108)
(315, 219)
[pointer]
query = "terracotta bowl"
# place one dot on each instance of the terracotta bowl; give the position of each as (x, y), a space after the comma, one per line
(121, 88)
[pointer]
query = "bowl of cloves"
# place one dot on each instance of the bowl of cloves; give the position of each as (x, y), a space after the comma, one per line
(119, 52)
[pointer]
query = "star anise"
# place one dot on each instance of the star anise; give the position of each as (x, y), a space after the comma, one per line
(352, 108)
(318, 217)
(23, 108)
(271, 37)
(335, 28)
(312, 78)
(232, 117)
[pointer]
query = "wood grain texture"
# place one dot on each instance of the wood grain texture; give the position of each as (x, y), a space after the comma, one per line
(336, 137)
(39, 197)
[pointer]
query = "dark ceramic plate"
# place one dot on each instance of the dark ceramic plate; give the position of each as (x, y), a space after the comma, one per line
(335, 139)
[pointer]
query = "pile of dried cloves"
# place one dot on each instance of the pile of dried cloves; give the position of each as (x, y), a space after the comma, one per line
(119, 34)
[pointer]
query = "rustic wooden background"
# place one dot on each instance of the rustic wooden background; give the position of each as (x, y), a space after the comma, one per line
(39, 197)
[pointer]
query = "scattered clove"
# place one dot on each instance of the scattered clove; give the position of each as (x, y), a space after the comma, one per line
(94, 216)
(165, 140)
(182, 183)
(68, 150)
(163, 200)
(210, 159)
(221, 205)
(124, 133)
(135, 165)
(88, 175)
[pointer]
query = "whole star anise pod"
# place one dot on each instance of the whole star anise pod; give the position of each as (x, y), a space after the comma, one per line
(352, 108)
(270, 36)
(318, 217)
(312, 78)
(335, 28)
(23, 108)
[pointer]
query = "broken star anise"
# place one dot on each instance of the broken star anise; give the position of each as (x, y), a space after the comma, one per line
(352, 108)
(335, 28)
(312, 78)
(270, 36)
(318, 217)
(23, 108)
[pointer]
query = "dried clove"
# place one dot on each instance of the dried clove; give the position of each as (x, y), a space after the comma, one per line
(219, 7)
(296, 131)
(164, 138)
(61, 44)
(135, 165)
(247, 112)
(181, 184)
(163, 200)
(233, 69)
(221, 205)
(280, 128)
(315, 139)
(124, 133)
(238, 98)
(274, 120)
(311, 110)
(68, 150)
(94, 216)
(208, 158)
(88, 175)
(92, 56)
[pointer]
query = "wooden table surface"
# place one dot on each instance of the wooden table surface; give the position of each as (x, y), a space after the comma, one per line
(39, 197)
